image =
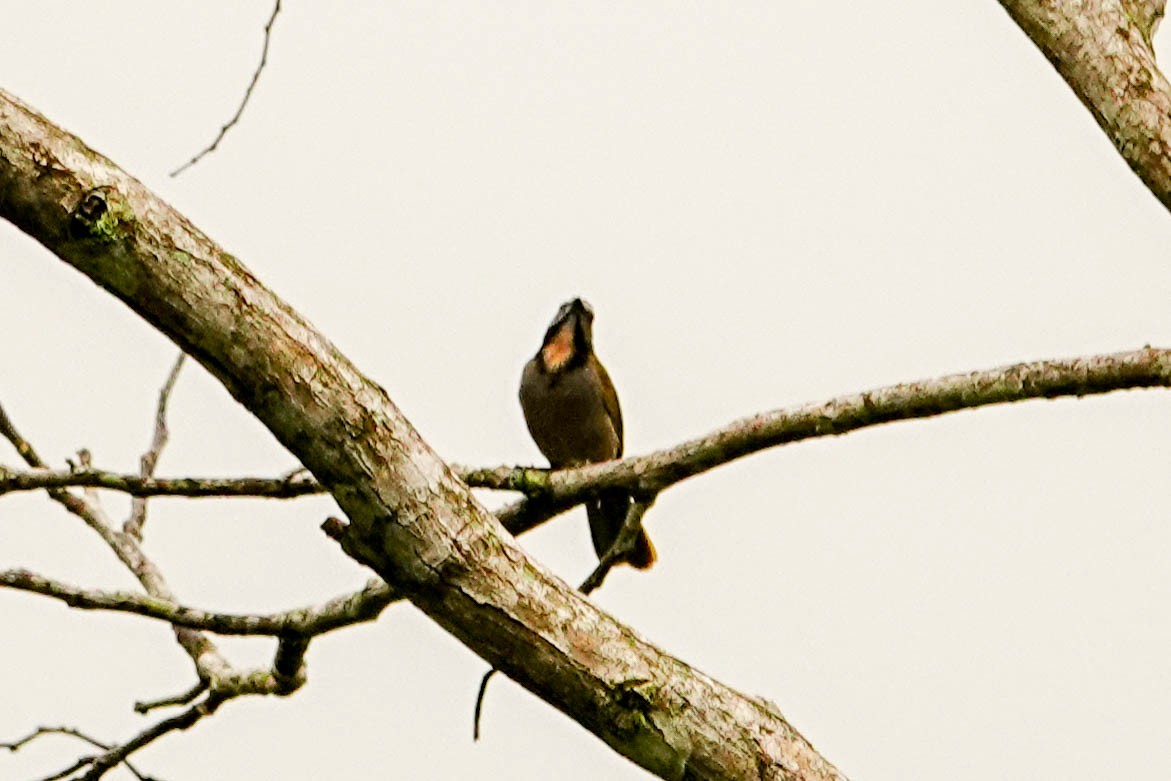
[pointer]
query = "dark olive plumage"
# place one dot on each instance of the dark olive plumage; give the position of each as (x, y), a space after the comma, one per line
(572, 411)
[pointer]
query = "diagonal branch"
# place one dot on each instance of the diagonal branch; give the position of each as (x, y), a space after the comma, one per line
(411, 520)
(621, 546)
(1103, 51)
(650, 474)
(16, 745)
(115, 755)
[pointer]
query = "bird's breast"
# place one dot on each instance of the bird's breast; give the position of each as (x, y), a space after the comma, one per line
(566, 416)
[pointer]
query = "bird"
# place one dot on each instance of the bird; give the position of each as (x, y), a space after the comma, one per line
(572, 413)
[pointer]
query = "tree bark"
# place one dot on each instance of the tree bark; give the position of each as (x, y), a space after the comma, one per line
(1102, 48)
(411, 520)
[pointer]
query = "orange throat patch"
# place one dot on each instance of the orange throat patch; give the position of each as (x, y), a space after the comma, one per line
(558, 350)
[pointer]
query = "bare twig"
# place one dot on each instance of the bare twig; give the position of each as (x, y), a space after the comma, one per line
(20, 743)
(81, 762)
(355, 608)
(276, 9)
(621, 546)
(78, 764)
(479, 709)
(209, 663)
(138, 486)
(115, 755)
(220, 691)
(182, 698)
(150, 458)
(22, 445)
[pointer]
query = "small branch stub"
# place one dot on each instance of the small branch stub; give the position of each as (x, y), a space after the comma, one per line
(100, 215)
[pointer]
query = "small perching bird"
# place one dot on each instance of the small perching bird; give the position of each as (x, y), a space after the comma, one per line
(571, 409)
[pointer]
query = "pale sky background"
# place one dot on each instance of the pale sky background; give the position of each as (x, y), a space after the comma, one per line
(767, 204)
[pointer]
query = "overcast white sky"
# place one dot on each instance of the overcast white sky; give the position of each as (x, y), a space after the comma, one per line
(767, 204)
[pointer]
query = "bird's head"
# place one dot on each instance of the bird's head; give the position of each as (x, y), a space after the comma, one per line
(569, 340)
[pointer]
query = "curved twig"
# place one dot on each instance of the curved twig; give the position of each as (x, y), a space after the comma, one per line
(276, 9)
(355, 608)
(150, 458)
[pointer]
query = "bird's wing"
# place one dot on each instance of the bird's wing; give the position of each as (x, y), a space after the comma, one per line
(610, 403)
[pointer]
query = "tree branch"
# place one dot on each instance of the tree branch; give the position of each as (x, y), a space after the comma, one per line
(355, 608)
(138, 485)
(555, 491)
(209, 662)
(652, 473)
(411, 520)
(150, 458)
(16, 745)
(182, 698)
(1103, 51)
(216, 676)
(115, 755)
(621, 546)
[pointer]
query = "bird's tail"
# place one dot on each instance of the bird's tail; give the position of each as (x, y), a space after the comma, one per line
(606, 514)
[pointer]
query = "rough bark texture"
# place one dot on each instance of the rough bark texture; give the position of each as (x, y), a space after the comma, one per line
(411, 520)
(1102, 49)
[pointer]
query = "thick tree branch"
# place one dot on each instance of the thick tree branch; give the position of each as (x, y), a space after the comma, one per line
(411, 520)
(1102, 49)
(276, 9)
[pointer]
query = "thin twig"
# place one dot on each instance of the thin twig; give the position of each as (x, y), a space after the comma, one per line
(150, 458)
(22, 445)
(138, 486)
(209, 662)
(116, 755)
(355, 608)
(480, 702)
(182, 698)
(247, 95)
(623, 544)
(81, 761)
(20, 743)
